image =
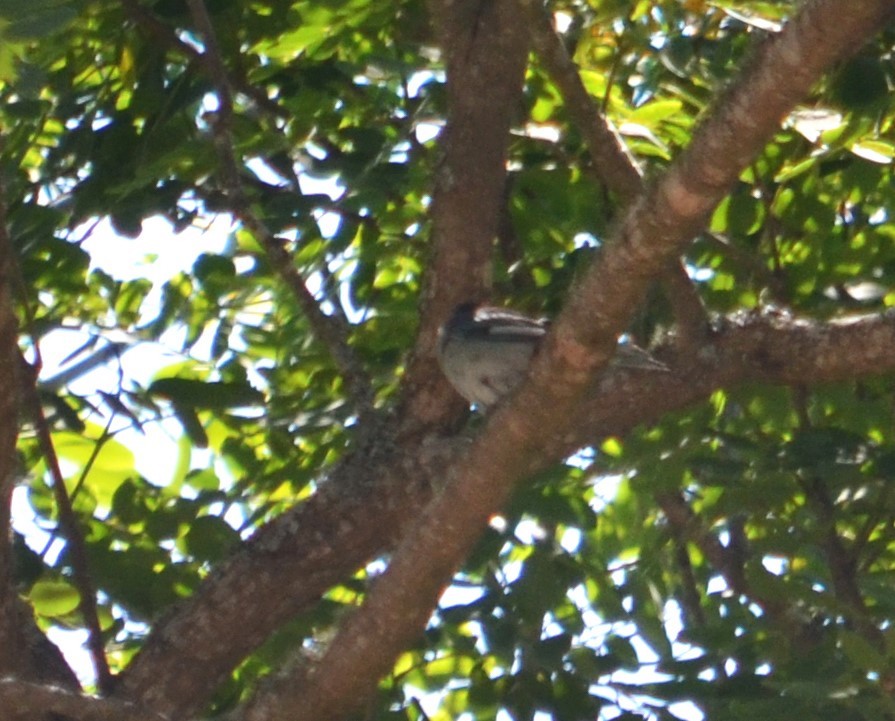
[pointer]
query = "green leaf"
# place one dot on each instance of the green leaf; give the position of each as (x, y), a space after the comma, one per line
(54, 598)
(192, 425)
(35, 20)
(107, 468)
(217, 395)
(210, 538)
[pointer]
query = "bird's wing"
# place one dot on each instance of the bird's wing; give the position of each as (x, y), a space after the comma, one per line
(500, 324)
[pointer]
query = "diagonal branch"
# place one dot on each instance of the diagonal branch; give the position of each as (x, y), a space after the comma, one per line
(26, 701)
(615, 167)
(331, 330)
(661, 223)
(71, 531)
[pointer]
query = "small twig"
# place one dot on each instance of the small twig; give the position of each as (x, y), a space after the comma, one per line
(94, 454)
(873, 520)
(25, 700)
(329, 288)
(616, 63)
(213, 61)
(690, 600)
(332, 330)
(71, 531)
(739, 256)
(85, 471)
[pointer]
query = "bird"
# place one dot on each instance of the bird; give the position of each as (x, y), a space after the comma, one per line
(484, 351)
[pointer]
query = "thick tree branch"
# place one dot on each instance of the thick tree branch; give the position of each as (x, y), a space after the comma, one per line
(331, 330)
(485, 46)
(22, 700)
(774, 349)
(358, 513)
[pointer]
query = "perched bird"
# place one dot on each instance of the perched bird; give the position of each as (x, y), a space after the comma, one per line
(485, 351)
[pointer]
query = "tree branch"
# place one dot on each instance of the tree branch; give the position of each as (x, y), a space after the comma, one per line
(22, 700)
(24, 649)
(778, 350)
(70, 530)
(687, 525)
(614, 166)
(485, 47)
(842, 563)
(691, 601)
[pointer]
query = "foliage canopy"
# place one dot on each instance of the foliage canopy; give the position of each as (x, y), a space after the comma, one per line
(714, 542)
